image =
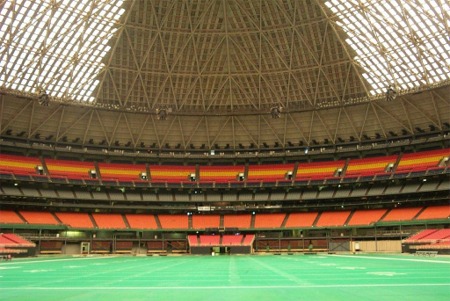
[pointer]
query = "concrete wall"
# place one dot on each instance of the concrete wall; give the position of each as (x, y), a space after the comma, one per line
(394, 246)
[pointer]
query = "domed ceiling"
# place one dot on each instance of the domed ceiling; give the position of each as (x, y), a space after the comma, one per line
(223, 73)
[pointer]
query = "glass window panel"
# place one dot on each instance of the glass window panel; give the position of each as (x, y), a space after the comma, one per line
(395, 24)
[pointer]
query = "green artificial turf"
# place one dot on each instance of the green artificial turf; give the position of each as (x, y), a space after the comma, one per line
(268, 277)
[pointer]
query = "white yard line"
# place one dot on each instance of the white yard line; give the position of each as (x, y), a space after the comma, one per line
(53, 260)
(228, 287)
(389, 258)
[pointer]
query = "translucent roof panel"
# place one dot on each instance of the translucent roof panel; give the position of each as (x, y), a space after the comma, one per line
(404, 44)
(56, 46)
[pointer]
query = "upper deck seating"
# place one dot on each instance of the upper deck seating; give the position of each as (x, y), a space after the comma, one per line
(269, 172)
(19, 165)
(421, 161)
(369, 166)
(220, 174)
(318, 170)
(171, 173)
(121, 172)
(71, 169)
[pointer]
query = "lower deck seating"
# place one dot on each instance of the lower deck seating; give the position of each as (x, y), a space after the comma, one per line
(225, 240)
(50, 247)
(141, 221)
(209, 240)
(101, 247)
(124, 247)
(10, 240)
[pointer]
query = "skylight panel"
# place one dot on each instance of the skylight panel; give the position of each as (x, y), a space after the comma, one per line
(411, 41)
(53, 43)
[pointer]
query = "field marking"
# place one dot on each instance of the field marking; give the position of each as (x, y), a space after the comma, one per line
(228, 287)
(388, 274)
(54, 260)
(394, 259)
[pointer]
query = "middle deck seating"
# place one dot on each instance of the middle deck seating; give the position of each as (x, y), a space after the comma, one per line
(39, 218)
(109, 221)
(205, 221)
(10, 217)
(240, 221)
(333, 218)
(366, 217)
(401, 214)
(435, 212)
(175, 221)
(142, 221)
(269, 220)
(75, 219)
(301, 220)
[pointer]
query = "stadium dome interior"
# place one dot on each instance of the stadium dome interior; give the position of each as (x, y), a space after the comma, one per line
(283, 88)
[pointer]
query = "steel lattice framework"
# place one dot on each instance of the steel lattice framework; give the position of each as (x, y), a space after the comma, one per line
(217, 68)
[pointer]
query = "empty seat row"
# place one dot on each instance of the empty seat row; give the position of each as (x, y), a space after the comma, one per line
(242, 221)
(408, 162)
